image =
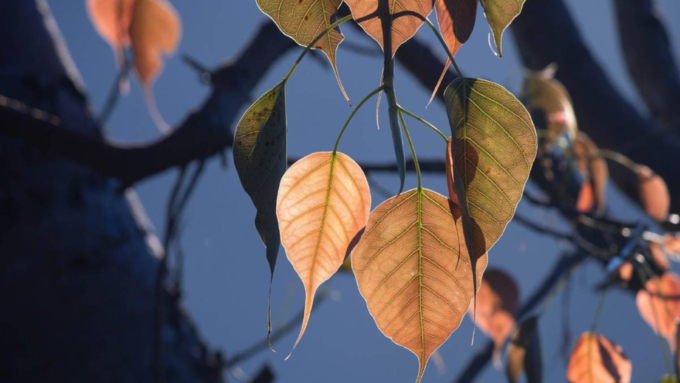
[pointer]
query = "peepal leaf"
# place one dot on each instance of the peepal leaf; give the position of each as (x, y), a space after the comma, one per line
(390, 22)
(596, 360)
(499, 14)
(543, 92)
(596, 170)
(524, 353)
(495, 147)
(416, 279)
(659, 305)
(497, 307)
(322, 206)
(304, 21)
(456, 20)
(260, 158)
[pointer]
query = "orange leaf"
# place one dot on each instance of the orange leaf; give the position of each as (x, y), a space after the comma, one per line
(659, 305)
(390, 22)
(597, 175)
(497, 307)
(450, 179)
(414, 271)
(322, 206)
(596, 360)
(659, 257)
(155, 30)
(111, 19)
(653, 193)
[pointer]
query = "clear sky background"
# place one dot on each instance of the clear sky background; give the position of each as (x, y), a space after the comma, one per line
(226, 275)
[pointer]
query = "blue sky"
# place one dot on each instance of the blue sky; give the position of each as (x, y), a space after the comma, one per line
(226, 275)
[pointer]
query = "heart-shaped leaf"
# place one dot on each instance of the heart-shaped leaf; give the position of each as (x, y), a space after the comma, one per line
(260, 158)
(304, 21)
(659, 305)
(414, 273)
(495, 147)
(524, 353)
(456, 20)
(596, 360)
(322, 206)
(499, 14)
(497, 307)
(390, 22)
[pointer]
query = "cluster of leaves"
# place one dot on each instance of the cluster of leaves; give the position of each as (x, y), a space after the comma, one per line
(418, 257)
(150, 28)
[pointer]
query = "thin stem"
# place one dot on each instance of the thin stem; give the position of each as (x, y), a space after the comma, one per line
(413, 150)
(598, 311)
(619, 158)
(422, 121)
(309, 47)
(446, 47)
(354, 112)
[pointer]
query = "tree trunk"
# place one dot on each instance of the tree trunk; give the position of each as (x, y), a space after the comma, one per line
(78, 257)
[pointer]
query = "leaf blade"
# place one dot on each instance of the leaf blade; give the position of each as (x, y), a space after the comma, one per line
(261, 158)
(322, 194)
(495, 147)
(303, 21)
(500, 14)
(390, 22)
(596, 360)
(414, 237)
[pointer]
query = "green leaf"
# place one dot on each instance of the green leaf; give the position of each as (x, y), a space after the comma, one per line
(495, 148)
(260, 157)
(304, 21)
(669, 379)
(499, 14)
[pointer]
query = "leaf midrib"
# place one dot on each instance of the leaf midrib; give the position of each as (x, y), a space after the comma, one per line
(323, 218)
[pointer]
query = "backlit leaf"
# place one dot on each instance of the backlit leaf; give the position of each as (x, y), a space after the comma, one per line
(596, 360)
(155, 31)
(322, 206)
(669, 379)
(499, 14)
(304, 21)
(260, 158)
(450, 181)
(659, 305)
(414, 271)
(524, 353)
(495, 147)
(497, 307)
(456, 19)
(390, 22)
(111, 19)
(653, 193)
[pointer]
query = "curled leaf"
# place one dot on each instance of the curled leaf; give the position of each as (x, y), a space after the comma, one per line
(659, 305)
(497, 307)
(596, 360)
(413, 272)
(495, 147)
(304, 21)
(322, 206)
(654, 194)
(658, 257)
(499, 14)
(524, 353)
(390, 22)
(261, 159)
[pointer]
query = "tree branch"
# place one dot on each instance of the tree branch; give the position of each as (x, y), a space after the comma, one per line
(202, 134)
(646, 48)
